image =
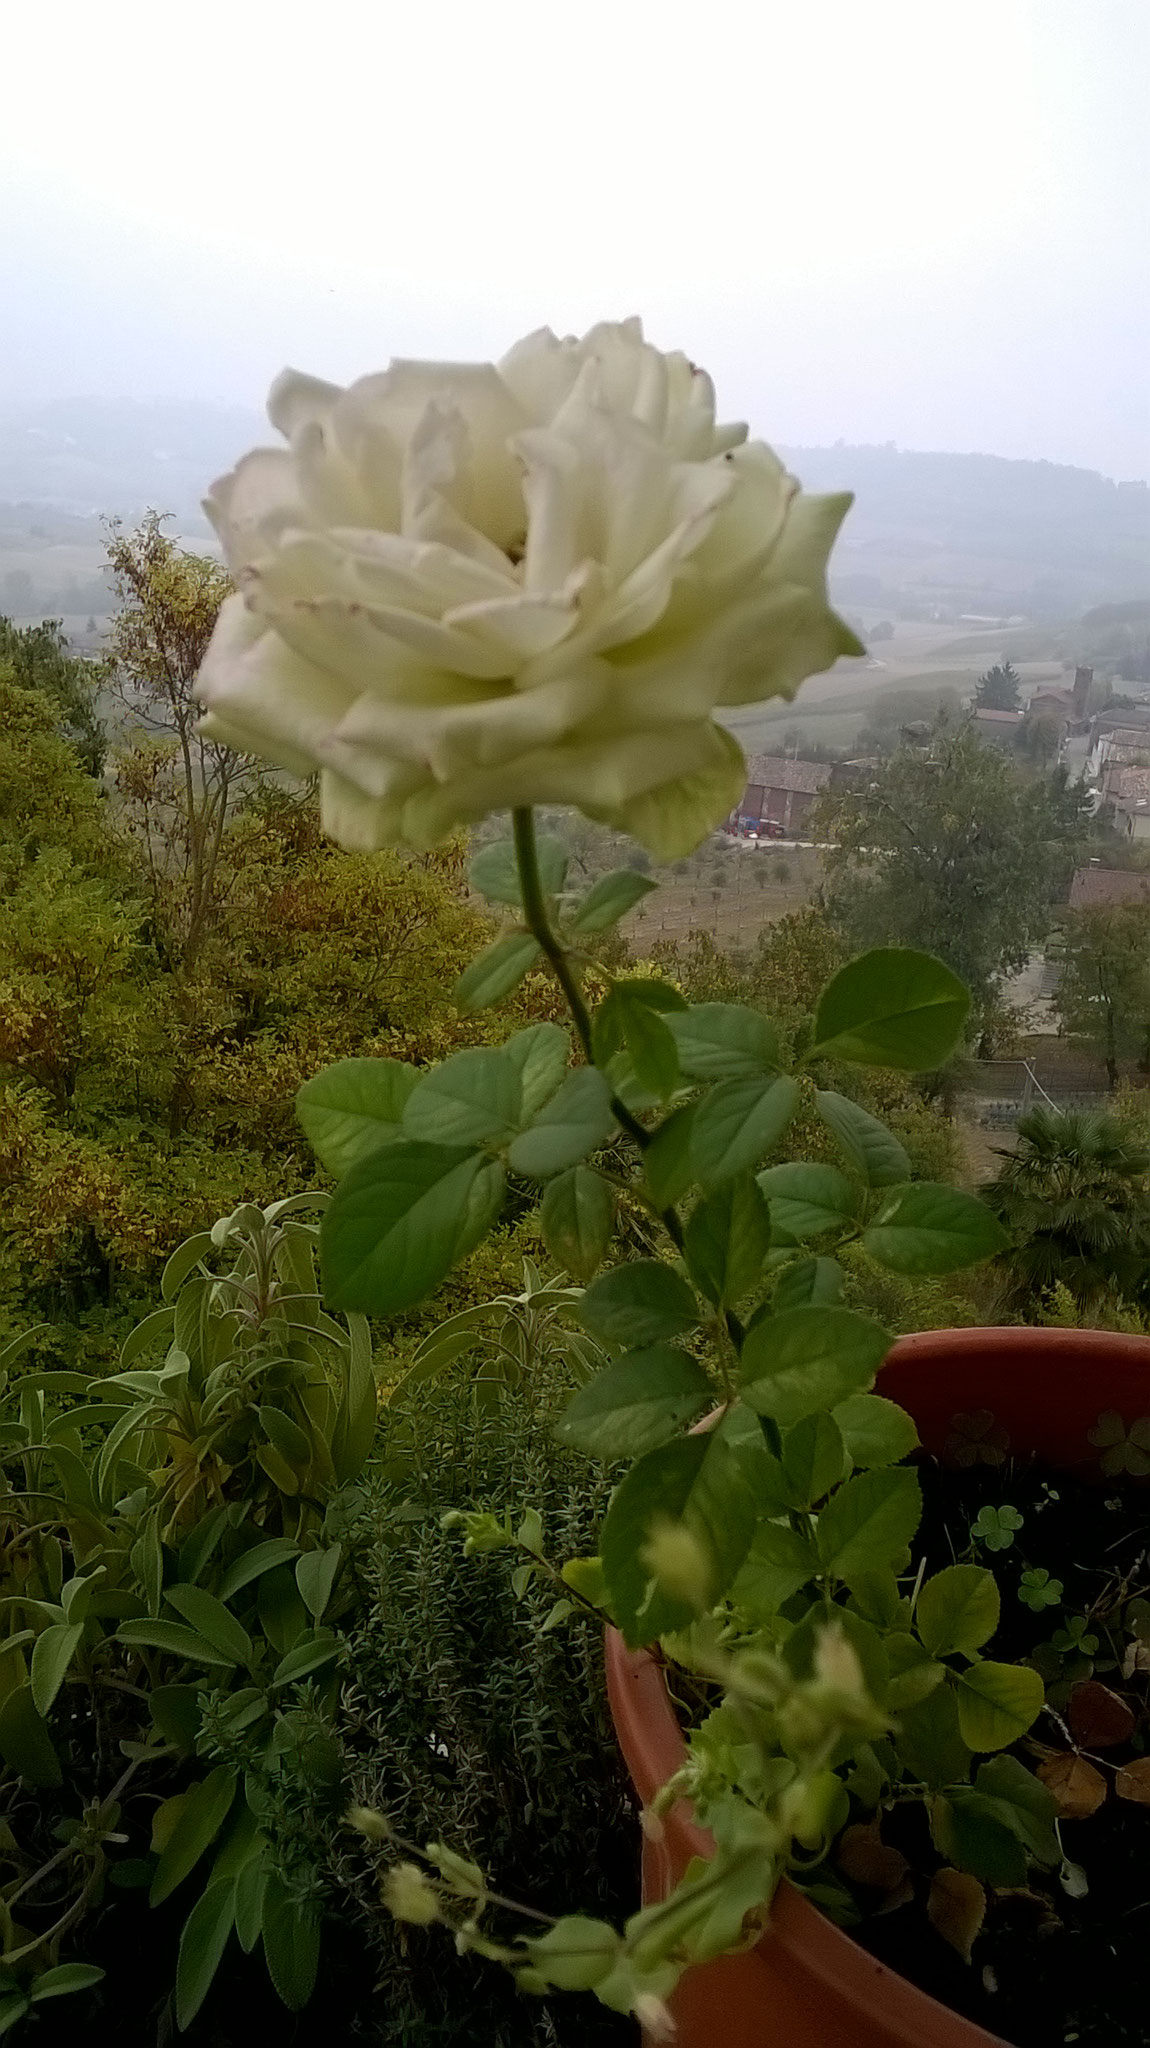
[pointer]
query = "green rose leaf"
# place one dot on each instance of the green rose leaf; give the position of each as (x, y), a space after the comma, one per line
(808, 1283)
(539, 1056)
(928, 1740)
(891, 1008)
(932, 1228)
(667, 1159)
(997, 1703)
(610, 899)
(875, 1595)
(727, 1239)
(635, 1405)
(813, 1459)
(805, 1359)
(497, 970)
(494, 872)
(577, 1120)
(971, 1833)
(725, 1042)
(632, 1016)
(957, 1610)
(472, 1098)
(652, 1050)
(353, 1108)
(695, 1487)
(576, 1954)
(577, 1217)
(869, 1521)
(1025, 1804)
(779, 1562)
(398, 1222)
(868, 1146)
(913, 1673)
(806, 1200)
(643, 1302)
(875, 1431)
(737, 1122)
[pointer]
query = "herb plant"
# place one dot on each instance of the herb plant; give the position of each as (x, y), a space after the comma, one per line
(176, 1545)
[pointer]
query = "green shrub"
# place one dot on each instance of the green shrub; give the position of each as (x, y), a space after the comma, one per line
(176, 1559)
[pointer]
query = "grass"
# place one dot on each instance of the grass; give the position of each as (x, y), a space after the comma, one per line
(836, 721)
(758, 886)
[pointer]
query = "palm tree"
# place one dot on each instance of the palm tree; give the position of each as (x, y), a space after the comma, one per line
(1076, 1200)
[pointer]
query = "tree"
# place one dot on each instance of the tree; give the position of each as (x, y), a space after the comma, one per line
(1076, 1200)
(176, 790)
(997, 690)
(312, 954)
(949, 849)
(67, 931)
(1041, 734)
(1103, 995)
(46, 797)
(893, 711)
(38, 659)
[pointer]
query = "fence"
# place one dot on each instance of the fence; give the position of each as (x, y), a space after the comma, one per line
(1007, 1089)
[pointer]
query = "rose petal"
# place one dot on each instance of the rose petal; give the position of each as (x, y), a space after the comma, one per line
(254, 505)
(263, 698)
(455, 739)
(297, 400)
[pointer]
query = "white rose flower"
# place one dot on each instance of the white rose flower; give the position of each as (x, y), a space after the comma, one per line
(467, 587)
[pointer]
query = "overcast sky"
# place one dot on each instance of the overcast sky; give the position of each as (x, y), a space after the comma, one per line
(923, 221)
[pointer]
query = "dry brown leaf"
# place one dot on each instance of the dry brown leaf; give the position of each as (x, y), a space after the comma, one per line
(1077, 1787)
(1133, 1781)
(1099, 1718)
(956, 1908)
(1137, 1658)
(865, 1858)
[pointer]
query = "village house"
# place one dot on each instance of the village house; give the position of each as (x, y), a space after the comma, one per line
(1101, 888)
(1117, 746)
(1127, 790)
(779, 794)
(998, 728)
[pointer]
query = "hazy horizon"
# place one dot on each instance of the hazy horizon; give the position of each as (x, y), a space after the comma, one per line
(925, 227)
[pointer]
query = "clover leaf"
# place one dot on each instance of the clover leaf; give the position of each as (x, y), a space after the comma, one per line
(1039, 1590)
(995, 1527)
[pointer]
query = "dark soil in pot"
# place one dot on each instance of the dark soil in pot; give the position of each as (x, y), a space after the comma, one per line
(1050, 1967)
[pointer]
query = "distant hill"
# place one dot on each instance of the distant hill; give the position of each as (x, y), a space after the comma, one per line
(934, 536)
(969, 536)
(88, 456)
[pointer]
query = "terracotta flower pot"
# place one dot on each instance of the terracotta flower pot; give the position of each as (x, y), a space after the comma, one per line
(1077, 1399)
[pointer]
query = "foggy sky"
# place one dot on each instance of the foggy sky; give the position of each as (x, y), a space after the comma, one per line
(923, 221)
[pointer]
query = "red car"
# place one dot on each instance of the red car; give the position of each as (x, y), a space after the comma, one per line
(756, 828)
